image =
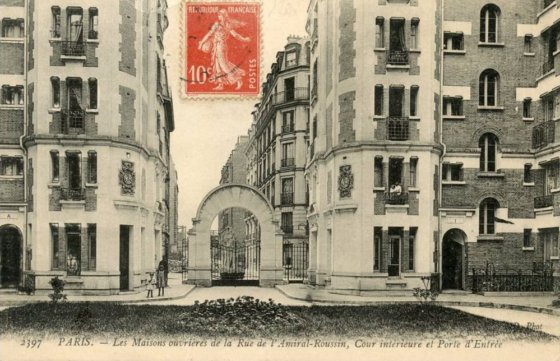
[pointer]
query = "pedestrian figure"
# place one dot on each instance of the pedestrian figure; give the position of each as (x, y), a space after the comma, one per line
(150, 286)
(161, 281)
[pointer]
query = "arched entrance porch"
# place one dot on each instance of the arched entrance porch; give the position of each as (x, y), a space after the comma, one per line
(453, 259)
(235, 196)
(10, 256)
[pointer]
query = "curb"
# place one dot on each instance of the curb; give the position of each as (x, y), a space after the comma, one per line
(534, 309)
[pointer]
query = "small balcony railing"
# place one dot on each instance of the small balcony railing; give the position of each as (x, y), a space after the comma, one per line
(73, 121)
(72, 194)
(73, 48)
(287, 199)
(396, 198)
(288, 229)
(287, 162)
(547, 66)
(288, 128)
(397, 128)
(543, 134)
(291, 95)
(398, 57)
(544, 201)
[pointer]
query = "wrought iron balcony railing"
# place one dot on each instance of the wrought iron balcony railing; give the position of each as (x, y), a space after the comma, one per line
(544, 134)
(396, 198)
(73, 121)
(547, 66)
(72, 194)
(398, 57)
(288, 229)
(287, 199)
(288, 128)
(397, 128)
(288, 162)
(544, 201)
(73, 48)
(291, 95)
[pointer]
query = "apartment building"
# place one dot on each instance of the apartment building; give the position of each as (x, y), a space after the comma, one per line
(432, 147)
(86, 123)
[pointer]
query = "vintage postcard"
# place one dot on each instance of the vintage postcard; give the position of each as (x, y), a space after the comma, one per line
(279, 180)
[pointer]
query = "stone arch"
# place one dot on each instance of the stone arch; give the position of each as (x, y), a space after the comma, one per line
(11, 255)
(230, 196)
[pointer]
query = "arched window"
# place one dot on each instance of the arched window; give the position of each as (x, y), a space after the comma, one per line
(487, 216)
(488, 145)
(489, 83)
(489, 24)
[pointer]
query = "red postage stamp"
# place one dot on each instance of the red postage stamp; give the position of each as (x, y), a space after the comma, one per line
(222, 48)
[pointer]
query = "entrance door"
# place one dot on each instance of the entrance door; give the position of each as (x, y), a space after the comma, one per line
(452, 265)
(124, 257)
(394, 267)
(10, 257)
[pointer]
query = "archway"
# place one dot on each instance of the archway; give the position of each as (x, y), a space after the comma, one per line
(199, 271)
(10, 256)
(453, 259)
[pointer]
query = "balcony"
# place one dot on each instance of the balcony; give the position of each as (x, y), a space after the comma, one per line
(287, 199)
(72, 194)
(290, 95)
(547, 66)
(288, 229)
(544, 134)
(288, 128)
(544, 201)
(287, 162)
(398, 57)
(397, 128)
(73, 48)
(73, 121)
(396, 198)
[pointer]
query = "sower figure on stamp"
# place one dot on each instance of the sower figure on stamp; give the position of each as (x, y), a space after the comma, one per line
(161, 281)
(223, 71)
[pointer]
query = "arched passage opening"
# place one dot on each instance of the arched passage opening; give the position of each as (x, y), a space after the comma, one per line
(267, 257)
(453, 259)
(10, 256)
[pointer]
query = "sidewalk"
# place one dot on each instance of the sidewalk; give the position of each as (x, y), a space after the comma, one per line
(175, 290)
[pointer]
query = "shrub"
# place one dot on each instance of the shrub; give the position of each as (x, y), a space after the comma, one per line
(427, 293)
(58, 287)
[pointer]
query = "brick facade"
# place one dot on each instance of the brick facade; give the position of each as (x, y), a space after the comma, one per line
(10, 61)
(127, 30)
(347, 49)
(11, 126)
(127, 110)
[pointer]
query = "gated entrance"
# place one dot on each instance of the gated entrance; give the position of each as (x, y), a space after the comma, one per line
(295, 261)
(236, 265)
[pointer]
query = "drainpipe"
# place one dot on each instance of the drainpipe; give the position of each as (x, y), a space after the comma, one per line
(439, 259)
(21, 145)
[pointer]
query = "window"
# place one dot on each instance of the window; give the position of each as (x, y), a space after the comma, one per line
(548, 107)
(288, 155)
(11, 166)
(527, 238)
(12, 95)
(398, 53)
(55, 27)
(488, 144)
(74, 249)
(55, 166)
(379, 32)
(453, 41)
(287, 225)
(552, 173)
(452, 172)
(75, 25)
(55, 246)
(92, 167)
(527, 108)
(13, 28)
(288, 122)
(528, 44)
(74, 91)
(378, 100)
(413, 168)
(527, 174)
(414, 100)
(396, 101)
(55, 92)
(291, 58)
(378, 172)
(92, 84)
(489, 24)
(287, 196)
(315, 80)
(414, 33)
(411, 241)
(453, 106)
(488, 88)
(377, 236)
(395, 171)
(93, 23)
(550, 242)
(487, 215)
(289, 89)
(74, 161)
(92, 243)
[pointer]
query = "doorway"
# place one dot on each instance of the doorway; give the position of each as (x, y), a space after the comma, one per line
(124, 258)
(453, 260)
(10, 256)
(394, 266)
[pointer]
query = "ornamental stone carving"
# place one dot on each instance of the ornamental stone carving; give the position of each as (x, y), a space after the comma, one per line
(127, 178)
(345, 181)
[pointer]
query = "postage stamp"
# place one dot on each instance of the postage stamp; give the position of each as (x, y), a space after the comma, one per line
(222, 49)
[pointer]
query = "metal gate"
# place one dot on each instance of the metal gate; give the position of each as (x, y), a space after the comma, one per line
(295, 261)
(236, 265)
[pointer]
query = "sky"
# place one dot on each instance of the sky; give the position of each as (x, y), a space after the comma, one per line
(206, 130)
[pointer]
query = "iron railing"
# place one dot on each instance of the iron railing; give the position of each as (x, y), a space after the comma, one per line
(398, 57)
(290, 95)
(544, 201)
(295, 261)
(235, 264)
(288, 128)
(73, 121)
(489, 279)
(547, 66)
(287, 199)
(287, 228)
(397, 128)
(396, 198)
(73, 48)
(287, 162)
(72, 194)
(544, 134)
